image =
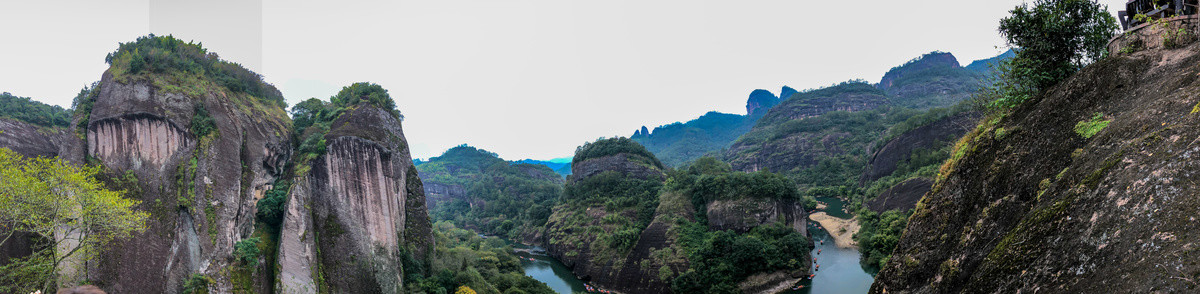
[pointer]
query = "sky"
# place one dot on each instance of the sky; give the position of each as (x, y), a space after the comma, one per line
(524, 79)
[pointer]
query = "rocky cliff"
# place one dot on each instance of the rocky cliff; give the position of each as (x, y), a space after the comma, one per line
(932, 136)
(199, 188)
(780, 142)
(365, 211)
(1089, 187)
(760, 101)
(741, 215)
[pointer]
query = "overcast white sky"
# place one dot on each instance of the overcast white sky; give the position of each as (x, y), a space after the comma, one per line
(525, 79)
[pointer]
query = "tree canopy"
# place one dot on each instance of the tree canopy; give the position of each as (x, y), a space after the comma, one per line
(33, 112)
(1054, 39)
(50, 198)
(370, 93)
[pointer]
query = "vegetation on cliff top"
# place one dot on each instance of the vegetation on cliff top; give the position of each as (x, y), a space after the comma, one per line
(613, 146)
(33, 112)
(166, 55)
(502, 198)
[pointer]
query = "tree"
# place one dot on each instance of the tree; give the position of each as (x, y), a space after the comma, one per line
(1054, 39)
(464, 290)
(64, 205)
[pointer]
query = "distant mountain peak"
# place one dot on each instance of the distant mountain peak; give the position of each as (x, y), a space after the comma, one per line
(760, 100)
(929, 60)
(787, 92)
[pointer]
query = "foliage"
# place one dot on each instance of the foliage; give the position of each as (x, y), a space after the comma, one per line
(605, 147)
(202, 122)
(33, 112)
(463, 259)
(516, 197)
(364, 92)
(1089, 128)
(168, 55)
(246, 251)
(272, 206)
(197, 284)
(49, 197)
(879, 234)
(722, 259)
(81, 105)
(1055, 38)
(464, 290)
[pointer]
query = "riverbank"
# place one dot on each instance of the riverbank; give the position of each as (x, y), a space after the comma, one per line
(842, 230)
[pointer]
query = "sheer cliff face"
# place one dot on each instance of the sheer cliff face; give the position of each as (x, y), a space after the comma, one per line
(200, 191)
(367, 211)
(1033, 206)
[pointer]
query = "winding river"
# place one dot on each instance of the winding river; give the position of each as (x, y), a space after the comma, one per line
(840, 271)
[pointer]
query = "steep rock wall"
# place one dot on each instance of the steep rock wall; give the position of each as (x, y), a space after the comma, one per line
(932, 136)
(1044, 209)
(200, 192)
(366, 210)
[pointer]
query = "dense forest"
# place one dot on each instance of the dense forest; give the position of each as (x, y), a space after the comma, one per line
(33, 112)
(499, 197)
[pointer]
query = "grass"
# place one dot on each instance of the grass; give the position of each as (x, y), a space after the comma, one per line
(1089, 128)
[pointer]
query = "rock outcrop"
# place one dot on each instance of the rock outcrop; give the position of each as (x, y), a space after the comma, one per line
(621, 163)
(367, 211)
(200, 189)
(743, 214)
(932, 136)
(1038, 204)
(902, 196)
(760, 101)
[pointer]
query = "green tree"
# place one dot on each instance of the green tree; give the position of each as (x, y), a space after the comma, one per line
(1055, 38)
(63, 204)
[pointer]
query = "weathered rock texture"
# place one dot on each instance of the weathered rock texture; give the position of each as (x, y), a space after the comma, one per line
(200, 191)
(1043, 209)
(902, 196)
(933, 136)
(367, 211)
(744, 214)
(620, 163)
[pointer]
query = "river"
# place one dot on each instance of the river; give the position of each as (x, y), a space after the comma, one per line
(840, 270)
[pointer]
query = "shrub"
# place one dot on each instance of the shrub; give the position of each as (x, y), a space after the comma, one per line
(273, 204)
(364, 92)
(246, 251)
(202, 122)
(197, 284)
